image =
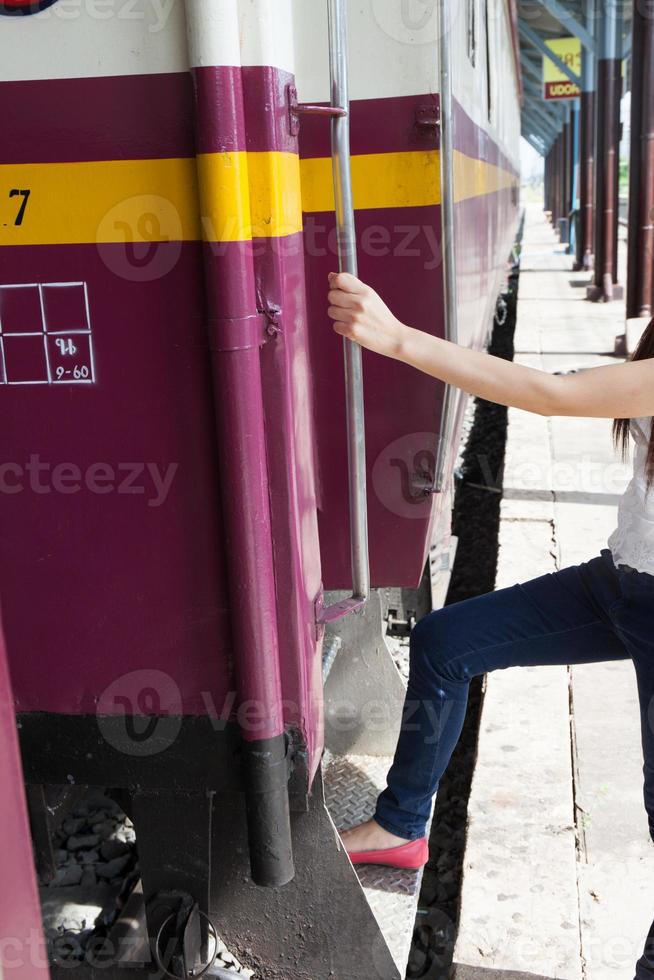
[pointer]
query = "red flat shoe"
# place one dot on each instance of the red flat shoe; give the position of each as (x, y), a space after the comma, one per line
(411, 856)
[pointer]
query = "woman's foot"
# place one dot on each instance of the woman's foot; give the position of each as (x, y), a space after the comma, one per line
(369, 836)
(371, 844)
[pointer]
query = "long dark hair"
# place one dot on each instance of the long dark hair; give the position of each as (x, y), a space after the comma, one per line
(644, 350)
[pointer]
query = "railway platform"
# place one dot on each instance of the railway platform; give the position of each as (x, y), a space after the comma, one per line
(559, 868)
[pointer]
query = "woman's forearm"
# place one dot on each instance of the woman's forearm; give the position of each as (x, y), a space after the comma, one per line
(610, 391)
(360, 314)
(618, 391)
(479, 373)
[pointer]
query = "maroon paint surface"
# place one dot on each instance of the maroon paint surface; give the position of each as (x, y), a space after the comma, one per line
(238, 409)
(400, 256)
(145, 116)
(101, 585)
(402, 407)
(104, 586)
(255, 99)
(251, 106)
(287, 375)
(23, 954)
(97, 585)
(126, 117)
(151, 116)
(476, 142)
(401, 124)
(484, 236)
(399, 401)
(376, 126)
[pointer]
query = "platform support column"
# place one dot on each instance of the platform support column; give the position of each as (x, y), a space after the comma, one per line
(557, 176)
(571, 153)
(609, 91)
(574, 175)
(547, 204)
(584, 255)
(553, 179)
(640, 275)
(554, 163)
(565, 165)
(559, 166)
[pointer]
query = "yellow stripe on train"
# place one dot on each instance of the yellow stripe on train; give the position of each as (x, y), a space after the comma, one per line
(243, 195)
(475, 178)
(105, 201)
(379, 180)
(401, 180)
(249, 195)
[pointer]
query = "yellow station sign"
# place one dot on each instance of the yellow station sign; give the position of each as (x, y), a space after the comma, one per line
(556, 85)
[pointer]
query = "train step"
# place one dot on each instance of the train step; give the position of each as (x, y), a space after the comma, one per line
(352, 783)
(401, 608)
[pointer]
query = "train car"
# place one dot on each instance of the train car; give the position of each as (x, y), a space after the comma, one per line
(200, 507)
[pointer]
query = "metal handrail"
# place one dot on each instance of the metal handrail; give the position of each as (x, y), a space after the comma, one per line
(347, 260)
(448, 414)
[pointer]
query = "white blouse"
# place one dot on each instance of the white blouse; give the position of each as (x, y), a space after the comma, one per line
(632, 542)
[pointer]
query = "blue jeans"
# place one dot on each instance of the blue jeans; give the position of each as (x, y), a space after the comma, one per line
(588, 613)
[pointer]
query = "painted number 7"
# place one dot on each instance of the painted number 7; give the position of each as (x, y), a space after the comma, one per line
(21, 212)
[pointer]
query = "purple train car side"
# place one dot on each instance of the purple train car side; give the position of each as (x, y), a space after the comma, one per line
(175, 534)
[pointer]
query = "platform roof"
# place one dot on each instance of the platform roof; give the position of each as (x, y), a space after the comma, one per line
(539, 21)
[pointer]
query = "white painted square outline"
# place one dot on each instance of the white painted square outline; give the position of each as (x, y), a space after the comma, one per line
(45, 333)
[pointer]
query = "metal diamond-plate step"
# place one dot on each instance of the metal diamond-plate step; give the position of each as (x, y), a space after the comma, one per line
(352, 784)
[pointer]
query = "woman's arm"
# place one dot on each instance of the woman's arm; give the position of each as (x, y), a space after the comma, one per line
(621, 391)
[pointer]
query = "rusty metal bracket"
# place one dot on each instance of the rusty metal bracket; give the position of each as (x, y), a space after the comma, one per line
(298, 109)
(428, 116)
(326, 614)
(428, 123)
